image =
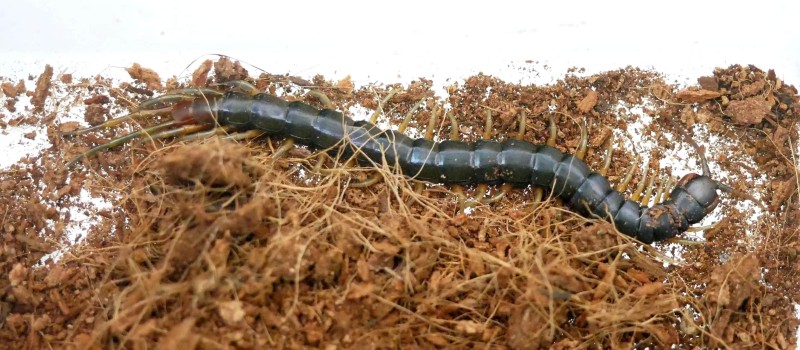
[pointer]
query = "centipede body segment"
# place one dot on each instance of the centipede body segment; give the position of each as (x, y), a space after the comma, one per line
(453, 162)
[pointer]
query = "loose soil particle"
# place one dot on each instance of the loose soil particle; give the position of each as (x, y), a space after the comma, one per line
(216, 244)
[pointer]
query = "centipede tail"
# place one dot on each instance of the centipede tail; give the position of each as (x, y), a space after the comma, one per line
(453, 162)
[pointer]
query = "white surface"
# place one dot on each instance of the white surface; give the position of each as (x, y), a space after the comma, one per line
(396, 41)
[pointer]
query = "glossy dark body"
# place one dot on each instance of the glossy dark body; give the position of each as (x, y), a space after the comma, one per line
(455, 162)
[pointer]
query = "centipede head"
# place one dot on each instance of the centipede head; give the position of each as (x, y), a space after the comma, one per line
(702, 189)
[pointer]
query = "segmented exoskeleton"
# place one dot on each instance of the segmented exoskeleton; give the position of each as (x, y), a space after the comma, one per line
(453, 162)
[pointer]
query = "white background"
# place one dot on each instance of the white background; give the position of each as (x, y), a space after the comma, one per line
(395, 41)
(375, 41)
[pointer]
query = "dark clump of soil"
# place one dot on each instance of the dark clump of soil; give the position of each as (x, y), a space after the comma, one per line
(217, 244)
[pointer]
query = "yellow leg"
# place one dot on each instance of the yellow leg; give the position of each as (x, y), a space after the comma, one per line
(246, 135)
(374, 118)
(665, 182)
(375, 177)
(580, 153)
(181, 131)
(551, 141)
(285, 147)
(702, 228)
(322, 97)
(649, 189)
(223, 130)
(668, 188)
(609, 154)
(622, 186)
(637, 194)
(407, 119)
(419, 186)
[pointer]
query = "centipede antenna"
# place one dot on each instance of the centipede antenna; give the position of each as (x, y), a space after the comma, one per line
(730, 190)
(322, 97)
(640, 188)
(700, 151)
(684, 242)
(121, 140)
(168, 99)
(196, 92)
(241, 85)
(407, 119)
(609, 154)
(622, 186)
(582, 145)
(551, 141)
(183, 130)
(120, 120)
(374, 118)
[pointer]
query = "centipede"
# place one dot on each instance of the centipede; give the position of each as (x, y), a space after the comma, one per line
(241, 109)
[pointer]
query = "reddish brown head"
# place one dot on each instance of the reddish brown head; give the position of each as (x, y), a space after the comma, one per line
(702, 189)
(197, 111)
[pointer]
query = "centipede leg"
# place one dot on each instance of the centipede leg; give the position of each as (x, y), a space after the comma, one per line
(538, 192)
(285, 147)
(703, 228)
(407, 118)
(181, 131)
(326, 102)
(246, 135)
(622, 186)
(376, 176)
(580, 153)
(505, 188)
(375, 115)
(487, 134)
(648, 191)
(222, 130)
(637, 193)
(665, 183)
(373, 179)
(419, 186)
(463, 203)
(609, 154)
(322, 97)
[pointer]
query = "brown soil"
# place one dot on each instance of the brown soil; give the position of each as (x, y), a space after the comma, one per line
(217, 245)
